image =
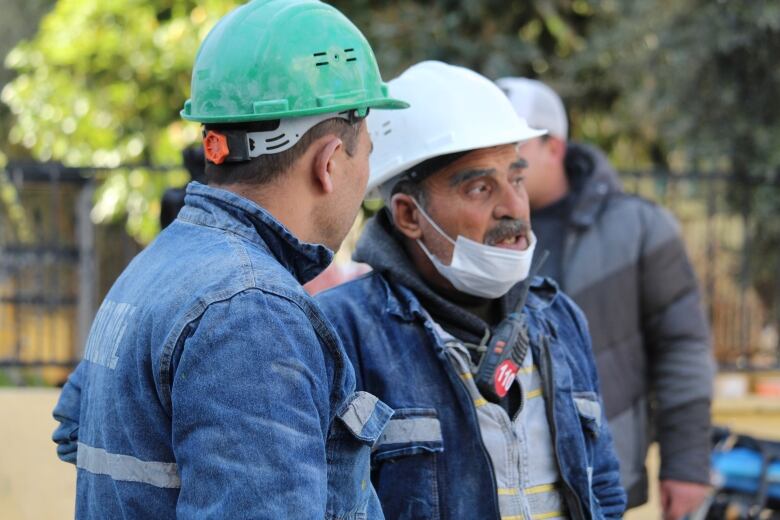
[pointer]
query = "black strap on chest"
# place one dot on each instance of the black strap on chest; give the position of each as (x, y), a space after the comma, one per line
(505, 351)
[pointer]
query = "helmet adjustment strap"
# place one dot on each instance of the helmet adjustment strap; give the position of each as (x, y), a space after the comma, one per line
(237, 145)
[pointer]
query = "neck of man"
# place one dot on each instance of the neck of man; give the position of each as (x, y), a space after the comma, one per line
(554, 187)
(287, 201)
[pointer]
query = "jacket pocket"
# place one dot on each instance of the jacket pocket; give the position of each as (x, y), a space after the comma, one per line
(589, 409)
(404, 462)
(357, 426)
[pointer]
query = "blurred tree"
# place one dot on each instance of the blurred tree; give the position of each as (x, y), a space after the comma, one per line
(494, 37)
(101, 85)
(704, 76)
(102, 82)
(20, 20)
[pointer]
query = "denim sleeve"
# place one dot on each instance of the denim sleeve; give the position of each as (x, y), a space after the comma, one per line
(66, 413)
(250, 400)
(606, 474)
(605, 484)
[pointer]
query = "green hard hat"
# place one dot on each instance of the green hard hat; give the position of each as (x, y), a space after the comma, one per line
(274, 59)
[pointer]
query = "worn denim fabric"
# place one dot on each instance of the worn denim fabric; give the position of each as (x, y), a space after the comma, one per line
(431, 462)
(213, 387)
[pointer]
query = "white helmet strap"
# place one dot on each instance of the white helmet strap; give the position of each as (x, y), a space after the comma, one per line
(289, 132)
(285, 136)
(236, 145)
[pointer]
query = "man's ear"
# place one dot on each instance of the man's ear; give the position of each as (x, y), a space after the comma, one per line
(557, 148)
(326, 162)
(406, 216)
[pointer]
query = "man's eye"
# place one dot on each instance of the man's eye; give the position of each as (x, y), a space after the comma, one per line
(478, 188)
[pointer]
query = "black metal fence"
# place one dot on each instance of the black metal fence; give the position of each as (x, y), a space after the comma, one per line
(55, 265)
(52, 280)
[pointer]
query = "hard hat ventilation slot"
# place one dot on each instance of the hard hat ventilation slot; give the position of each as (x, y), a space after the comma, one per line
(386, 128)
(352, 58)
(320, 55)
(272, 139)
(277, 146)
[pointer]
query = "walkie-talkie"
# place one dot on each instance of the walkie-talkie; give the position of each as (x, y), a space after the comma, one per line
(507, 348)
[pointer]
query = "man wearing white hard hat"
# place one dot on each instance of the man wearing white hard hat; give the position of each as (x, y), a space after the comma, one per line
(622, 260)
(488, 369)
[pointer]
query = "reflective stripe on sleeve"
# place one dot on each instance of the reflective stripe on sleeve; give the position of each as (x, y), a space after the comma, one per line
(127, 468)
(359, 411)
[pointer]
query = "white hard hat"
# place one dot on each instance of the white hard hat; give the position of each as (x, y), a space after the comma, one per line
(538, 104)
(452, 109)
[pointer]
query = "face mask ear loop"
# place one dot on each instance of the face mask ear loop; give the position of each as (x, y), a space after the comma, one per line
(432, 223)
(430, 255)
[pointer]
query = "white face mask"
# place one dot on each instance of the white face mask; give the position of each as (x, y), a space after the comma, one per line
(479, 269)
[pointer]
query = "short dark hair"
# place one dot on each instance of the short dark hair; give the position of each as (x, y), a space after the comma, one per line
(413, 188)
(266, 168)
(412, 181)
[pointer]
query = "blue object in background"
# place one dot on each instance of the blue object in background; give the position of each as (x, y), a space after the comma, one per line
(740, 469)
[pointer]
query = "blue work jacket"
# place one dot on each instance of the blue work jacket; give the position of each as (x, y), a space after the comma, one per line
(212, 386)
(431, 462)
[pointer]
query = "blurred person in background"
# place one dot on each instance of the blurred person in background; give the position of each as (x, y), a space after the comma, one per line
(621, 258)
(451, 257)
(212, 386)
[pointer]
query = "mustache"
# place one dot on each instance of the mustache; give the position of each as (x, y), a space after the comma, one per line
(507, 229)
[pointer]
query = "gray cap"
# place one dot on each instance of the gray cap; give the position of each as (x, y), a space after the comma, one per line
(538, 104)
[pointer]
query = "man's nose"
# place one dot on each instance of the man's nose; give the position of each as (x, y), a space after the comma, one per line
(512, 204)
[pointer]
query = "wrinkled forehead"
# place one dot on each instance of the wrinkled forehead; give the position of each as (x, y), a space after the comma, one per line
(481, 162)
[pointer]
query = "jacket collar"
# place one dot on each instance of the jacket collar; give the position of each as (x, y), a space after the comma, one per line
(592, 179)
(402, 303)
(225, 210)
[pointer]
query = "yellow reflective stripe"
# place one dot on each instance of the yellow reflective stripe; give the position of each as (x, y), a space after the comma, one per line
(466, 376)
(533, 393)
(526, 370)
(513, 517)
(479, 402)
(508, 491)
(543, 516)
(535, 490)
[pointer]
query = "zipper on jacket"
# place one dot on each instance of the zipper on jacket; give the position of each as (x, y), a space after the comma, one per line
(549, 388)
(473, 410)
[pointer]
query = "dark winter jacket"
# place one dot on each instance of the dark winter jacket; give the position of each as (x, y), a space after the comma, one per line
(624, 263)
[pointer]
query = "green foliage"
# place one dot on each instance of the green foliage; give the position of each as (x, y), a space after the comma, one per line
(135, 194)
(19, 228)
(493, 37)
(704, 77)
(102, 83)
(677, 84)
(5, 379)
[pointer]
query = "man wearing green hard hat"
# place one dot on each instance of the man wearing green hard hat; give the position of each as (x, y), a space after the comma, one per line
(212, 386)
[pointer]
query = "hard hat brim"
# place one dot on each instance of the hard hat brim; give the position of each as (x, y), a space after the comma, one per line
(376, 103)
(390, 170)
